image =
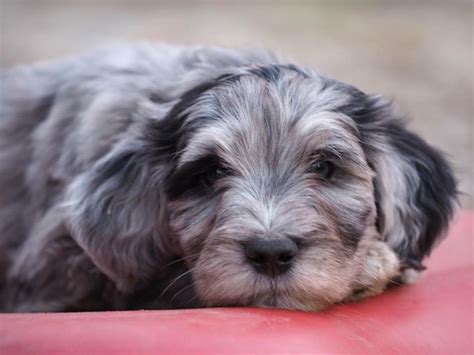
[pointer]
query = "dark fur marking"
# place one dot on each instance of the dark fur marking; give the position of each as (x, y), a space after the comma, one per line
(189, 179)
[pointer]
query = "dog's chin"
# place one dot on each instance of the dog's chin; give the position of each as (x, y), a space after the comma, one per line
(270, 293)
(285, 301)
(274, 300)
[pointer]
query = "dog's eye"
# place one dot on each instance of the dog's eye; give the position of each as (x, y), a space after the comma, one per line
(218, 173)
(213, 174)
(323, 168)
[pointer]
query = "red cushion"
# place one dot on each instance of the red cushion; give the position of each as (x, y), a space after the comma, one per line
(435, 315)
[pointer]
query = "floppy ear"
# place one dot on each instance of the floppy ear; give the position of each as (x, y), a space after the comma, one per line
(115, 212)
(415, 190)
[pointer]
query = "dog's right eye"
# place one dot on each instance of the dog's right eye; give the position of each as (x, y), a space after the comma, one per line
(212, 174)
(196, 177)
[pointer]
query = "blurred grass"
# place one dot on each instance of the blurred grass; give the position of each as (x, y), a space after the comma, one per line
(419, 53)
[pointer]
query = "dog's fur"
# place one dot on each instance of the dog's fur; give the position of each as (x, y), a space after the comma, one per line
(133, 177)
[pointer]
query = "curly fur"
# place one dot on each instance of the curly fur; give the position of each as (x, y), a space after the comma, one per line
(109, 196)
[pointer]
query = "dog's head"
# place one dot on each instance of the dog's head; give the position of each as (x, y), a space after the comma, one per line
(272, 184)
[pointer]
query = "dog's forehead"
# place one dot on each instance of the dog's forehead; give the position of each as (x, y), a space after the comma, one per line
(256, 116)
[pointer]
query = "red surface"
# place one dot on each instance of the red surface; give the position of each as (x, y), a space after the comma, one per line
(433, 316)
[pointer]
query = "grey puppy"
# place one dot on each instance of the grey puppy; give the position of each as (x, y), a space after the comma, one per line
(156, 176)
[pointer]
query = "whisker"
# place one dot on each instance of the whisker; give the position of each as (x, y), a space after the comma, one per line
(179, 260)
(192, 299)
(181, 291)
(174, 281)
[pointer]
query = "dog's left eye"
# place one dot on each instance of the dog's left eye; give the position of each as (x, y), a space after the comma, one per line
(323, 168)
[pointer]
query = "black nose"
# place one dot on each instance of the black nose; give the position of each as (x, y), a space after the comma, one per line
(271, 257)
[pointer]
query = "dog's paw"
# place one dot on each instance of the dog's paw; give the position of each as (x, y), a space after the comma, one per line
(380, 266)
(409, 276)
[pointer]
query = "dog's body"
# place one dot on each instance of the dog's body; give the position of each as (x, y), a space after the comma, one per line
(160, 176)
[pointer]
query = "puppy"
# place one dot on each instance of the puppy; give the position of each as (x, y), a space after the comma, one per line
(156, 176)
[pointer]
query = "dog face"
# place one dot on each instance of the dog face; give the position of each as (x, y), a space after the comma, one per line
(275, 185)
(272, 193)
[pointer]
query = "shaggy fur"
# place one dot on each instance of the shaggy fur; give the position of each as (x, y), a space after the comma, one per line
(157, 176)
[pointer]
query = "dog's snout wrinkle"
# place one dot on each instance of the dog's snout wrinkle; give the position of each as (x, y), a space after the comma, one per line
(271, 257)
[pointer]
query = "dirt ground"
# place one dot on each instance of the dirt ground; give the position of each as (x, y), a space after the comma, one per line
(418, 52)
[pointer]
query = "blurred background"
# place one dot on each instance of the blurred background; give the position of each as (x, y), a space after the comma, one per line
(418, 52)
